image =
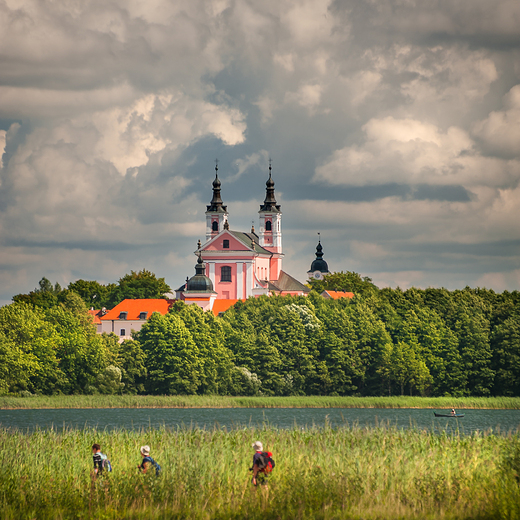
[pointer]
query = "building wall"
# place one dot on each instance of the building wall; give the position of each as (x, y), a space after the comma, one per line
(115, 326)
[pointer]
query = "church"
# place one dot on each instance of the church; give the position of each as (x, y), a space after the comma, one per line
(235, 265)
(231, 266)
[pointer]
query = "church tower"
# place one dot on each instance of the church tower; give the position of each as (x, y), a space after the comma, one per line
(216, 212)
(270, 233)
(319, 267)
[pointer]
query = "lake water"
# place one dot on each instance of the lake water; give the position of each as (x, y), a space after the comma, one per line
(497, 421)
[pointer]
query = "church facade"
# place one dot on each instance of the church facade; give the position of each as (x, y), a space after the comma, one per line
(239, 264)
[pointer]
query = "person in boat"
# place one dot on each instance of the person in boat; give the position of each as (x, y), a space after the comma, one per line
(453, 412)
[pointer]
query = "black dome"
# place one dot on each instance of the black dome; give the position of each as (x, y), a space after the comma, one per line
(319, 264)
(200, 282)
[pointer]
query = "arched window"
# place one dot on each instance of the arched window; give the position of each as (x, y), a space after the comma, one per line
(268, 226)
(214, 225)
(225, 273)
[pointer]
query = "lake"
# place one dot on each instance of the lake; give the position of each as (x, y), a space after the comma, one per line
(497, 421)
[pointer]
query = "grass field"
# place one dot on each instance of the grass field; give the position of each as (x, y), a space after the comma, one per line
(322, 473)
(179, 401)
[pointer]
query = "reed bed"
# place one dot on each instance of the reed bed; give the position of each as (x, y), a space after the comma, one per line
(195, 401)
(322, 473)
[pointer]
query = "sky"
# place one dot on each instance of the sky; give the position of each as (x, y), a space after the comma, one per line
(393, 129)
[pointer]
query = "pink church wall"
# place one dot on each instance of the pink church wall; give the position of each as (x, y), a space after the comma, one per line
(262, 268)
(275, 267)
(218, 245)
(226, 290)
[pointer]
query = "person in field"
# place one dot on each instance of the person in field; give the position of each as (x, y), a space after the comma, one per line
(101, 462)
(147, 461)
(263, 464)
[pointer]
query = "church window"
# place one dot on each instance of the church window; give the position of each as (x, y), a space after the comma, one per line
(225, 273)
(225, 245)
(214, 226)
(268, 226)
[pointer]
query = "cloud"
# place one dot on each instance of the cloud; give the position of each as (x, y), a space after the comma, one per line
(413, 152)
(243, 165)
(500, 131)
(393, 128)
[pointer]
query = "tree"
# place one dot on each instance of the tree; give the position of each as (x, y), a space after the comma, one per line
(207, 332)
(28, 350)
(93, 293)
(172, 359)
(82, 353)
(46, 296)
(506, 347)
(132, 362)
(348, 281)
(142, 284)
(110, 381)
(437, 346)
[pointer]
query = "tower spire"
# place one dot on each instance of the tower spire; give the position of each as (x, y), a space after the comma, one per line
(319, 267)
(270, 200)
(216, 204)
(216, 211)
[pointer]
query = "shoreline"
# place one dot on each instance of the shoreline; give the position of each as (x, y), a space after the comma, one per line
(185, 402)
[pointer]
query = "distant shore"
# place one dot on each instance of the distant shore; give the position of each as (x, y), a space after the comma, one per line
(181, 401)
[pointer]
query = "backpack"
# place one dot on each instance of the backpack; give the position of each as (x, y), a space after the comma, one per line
(105, 463)
(265, 462)
(153, 463)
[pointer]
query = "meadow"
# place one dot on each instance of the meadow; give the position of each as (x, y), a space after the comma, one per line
(322, 473)
(209, 401)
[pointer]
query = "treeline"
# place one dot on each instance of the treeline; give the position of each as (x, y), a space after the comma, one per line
(431, 342)
(141, 284)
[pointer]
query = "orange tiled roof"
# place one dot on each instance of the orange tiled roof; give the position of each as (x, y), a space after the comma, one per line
(135, 307)
(95, 314)
(222, 306)
(336, 295)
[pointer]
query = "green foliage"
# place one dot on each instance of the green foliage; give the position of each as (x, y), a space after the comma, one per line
(324, 473)
(93, 293)
(172, 359)
(109, 381)
(45, 296)
(142, 284)
(348, 281)
(431, 342)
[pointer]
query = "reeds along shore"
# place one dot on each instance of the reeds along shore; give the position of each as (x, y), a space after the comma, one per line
(320, 473)
(208, 401)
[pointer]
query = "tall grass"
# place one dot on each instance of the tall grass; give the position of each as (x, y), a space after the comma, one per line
(320, 473)
(179, 401)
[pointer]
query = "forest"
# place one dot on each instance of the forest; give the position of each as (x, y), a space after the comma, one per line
(421, 342)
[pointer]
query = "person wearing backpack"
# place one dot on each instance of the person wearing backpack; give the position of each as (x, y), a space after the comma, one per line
(101, 462)
(148, 462)
(263, 464)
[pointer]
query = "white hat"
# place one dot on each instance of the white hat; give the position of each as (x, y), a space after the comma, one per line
(257, 445)
(145, 450)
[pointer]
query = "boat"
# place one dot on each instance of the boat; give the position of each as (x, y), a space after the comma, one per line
(449, 414)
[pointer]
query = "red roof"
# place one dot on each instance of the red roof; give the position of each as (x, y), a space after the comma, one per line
(134, 307)
(222, 306)
(336, 295)
(96, 315)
